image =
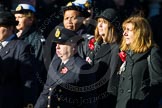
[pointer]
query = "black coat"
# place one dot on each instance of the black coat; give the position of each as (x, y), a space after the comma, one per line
(107, 55)
(62, 89)
(16, 75)
(33, 37)
(140, 83)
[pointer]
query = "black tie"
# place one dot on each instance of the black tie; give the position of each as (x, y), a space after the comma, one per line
(61, 67)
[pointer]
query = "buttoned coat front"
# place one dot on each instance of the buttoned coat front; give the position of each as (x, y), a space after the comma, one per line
(141, 82)
(33, 37)
(60, 89)
(107, 55)
(16, 75)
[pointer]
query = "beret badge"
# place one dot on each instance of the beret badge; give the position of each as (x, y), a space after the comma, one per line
(19, 8)
(69, 4)
(57, 33)
(87, 4)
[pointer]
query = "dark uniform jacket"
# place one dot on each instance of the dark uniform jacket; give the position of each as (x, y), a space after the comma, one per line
(61, 90)
(107, 55)
(16, 75)
(141, 82)
(33, 37)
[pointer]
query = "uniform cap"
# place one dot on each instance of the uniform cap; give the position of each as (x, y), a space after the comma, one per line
(63, 35)
(83, 3)
(78, 7)
(21, 8)
(109, 14)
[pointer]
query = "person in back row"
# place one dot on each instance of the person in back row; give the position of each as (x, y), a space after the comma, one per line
(74, 13)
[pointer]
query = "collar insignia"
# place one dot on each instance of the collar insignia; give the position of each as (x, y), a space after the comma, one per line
(87, 4)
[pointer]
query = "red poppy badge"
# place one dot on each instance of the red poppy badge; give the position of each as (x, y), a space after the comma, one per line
(122, 56)
(64, 70)
(91, 44)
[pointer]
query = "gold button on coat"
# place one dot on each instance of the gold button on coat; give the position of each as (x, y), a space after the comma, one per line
(58, 99)
(50, 89)
(48, 106)
(60, 90)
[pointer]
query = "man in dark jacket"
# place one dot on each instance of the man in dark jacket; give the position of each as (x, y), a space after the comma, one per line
(27, 31)
(16, 69)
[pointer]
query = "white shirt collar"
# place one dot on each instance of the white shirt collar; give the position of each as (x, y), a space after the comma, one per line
(5, 42)
(65, 61)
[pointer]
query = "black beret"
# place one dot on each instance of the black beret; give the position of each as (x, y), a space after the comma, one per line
(63, 35)
(112, 16)
(109, 14)
(7, 19)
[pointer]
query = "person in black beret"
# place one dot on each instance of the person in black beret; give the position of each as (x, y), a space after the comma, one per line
(113, 17)
(16, 72)
(104, 48)
(65, 71)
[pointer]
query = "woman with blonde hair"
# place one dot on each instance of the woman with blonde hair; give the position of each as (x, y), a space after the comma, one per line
(140, 83)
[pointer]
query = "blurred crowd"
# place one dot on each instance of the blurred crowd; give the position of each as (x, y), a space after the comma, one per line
(49, 12)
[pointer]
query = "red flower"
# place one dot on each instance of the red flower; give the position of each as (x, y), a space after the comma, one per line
(64, 70)
(122, 55)
(91, 44)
